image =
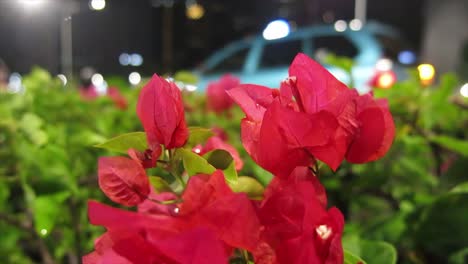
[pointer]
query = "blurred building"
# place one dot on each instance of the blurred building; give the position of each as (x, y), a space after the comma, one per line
(446, 33)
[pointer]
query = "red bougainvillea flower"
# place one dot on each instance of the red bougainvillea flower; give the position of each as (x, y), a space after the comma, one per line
(123, 180)
(366, 129)
(118, 99)
(313, 115)
(217, 99)
(161, 111)
(297, 226)
(209, 223)
(275, 134)
(216, 142)
(146, 239)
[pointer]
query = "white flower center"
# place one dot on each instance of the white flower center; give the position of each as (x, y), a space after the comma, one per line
(323, 231)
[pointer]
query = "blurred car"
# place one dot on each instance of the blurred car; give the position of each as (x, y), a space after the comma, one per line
(374, 48)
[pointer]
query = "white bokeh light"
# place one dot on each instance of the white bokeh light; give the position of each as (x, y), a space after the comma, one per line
(124, 59)
(464, 90)
(276, 29)
(63, 79)
(97, 4)
(134, 78)
(384, 64)
(97, 79)
(136, 59)
(355, 24)
(340, 25)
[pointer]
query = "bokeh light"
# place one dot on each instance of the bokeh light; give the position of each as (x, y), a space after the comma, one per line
(124, 59)
(407, 57)
(340, 25)
(63, 79)
(195, 11)
(134, 78)
(276, 29)
(97, 5)
(464, 90)
(355, 24)
(97, 79)
(426, 73)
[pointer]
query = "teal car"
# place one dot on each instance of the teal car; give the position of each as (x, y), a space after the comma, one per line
(265, 62)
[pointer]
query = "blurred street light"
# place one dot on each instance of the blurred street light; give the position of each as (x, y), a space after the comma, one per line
(136, 59)
(195, 11)
(426, 73)
(97, 79)
(384, 64)
(276, 29)
(63, 79)
(97, 5)
(124, 59)
(340, 25)
(464, 90)
(134, 78)
(355, 24)
(407, 57)
(31, 3)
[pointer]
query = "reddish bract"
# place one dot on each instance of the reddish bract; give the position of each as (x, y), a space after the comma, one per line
(118, 99)
(297, 226)
(123, 180)
(161, 111)
(208, 224)
(217, 99)
(312, 116)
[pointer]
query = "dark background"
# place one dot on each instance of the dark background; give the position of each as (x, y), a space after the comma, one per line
(31, 37)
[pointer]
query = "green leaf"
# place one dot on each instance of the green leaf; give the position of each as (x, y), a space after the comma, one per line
(198, 135)
(461, 188)
(371, 251)
(193, 163)
(248, 185)
(442, 228)
(378, 252)
(122, 143)
(47, 210)
(159, 184)
(453, 144)
(459, 257)
(222, 160)
(349, 258)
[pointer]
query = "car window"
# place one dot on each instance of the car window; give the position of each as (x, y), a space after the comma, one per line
(337, 45)
(392, 46)
(280, 53)
(233, 63)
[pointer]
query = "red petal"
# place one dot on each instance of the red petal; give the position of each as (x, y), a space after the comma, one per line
(123, 180)
(315, 85)
(285, 134)
(217, 98)
(234, 220)
(376, 132)
(250, 135)
(117, 97)
(161, 112)
(198, 246)
(253, 99)
(276, 151)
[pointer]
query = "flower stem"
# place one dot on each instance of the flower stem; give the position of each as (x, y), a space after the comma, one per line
(173, 169)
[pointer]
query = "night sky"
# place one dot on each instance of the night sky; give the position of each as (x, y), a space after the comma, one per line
(31, 37)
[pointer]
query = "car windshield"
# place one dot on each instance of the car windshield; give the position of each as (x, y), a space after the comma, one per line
(392, 46)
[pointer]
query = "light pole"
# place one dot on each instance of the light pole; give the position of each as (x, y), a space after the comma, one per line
(360, 10)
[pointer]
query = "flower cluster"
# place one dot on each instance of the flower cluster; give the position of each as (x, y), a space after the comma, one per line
(311, 117)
